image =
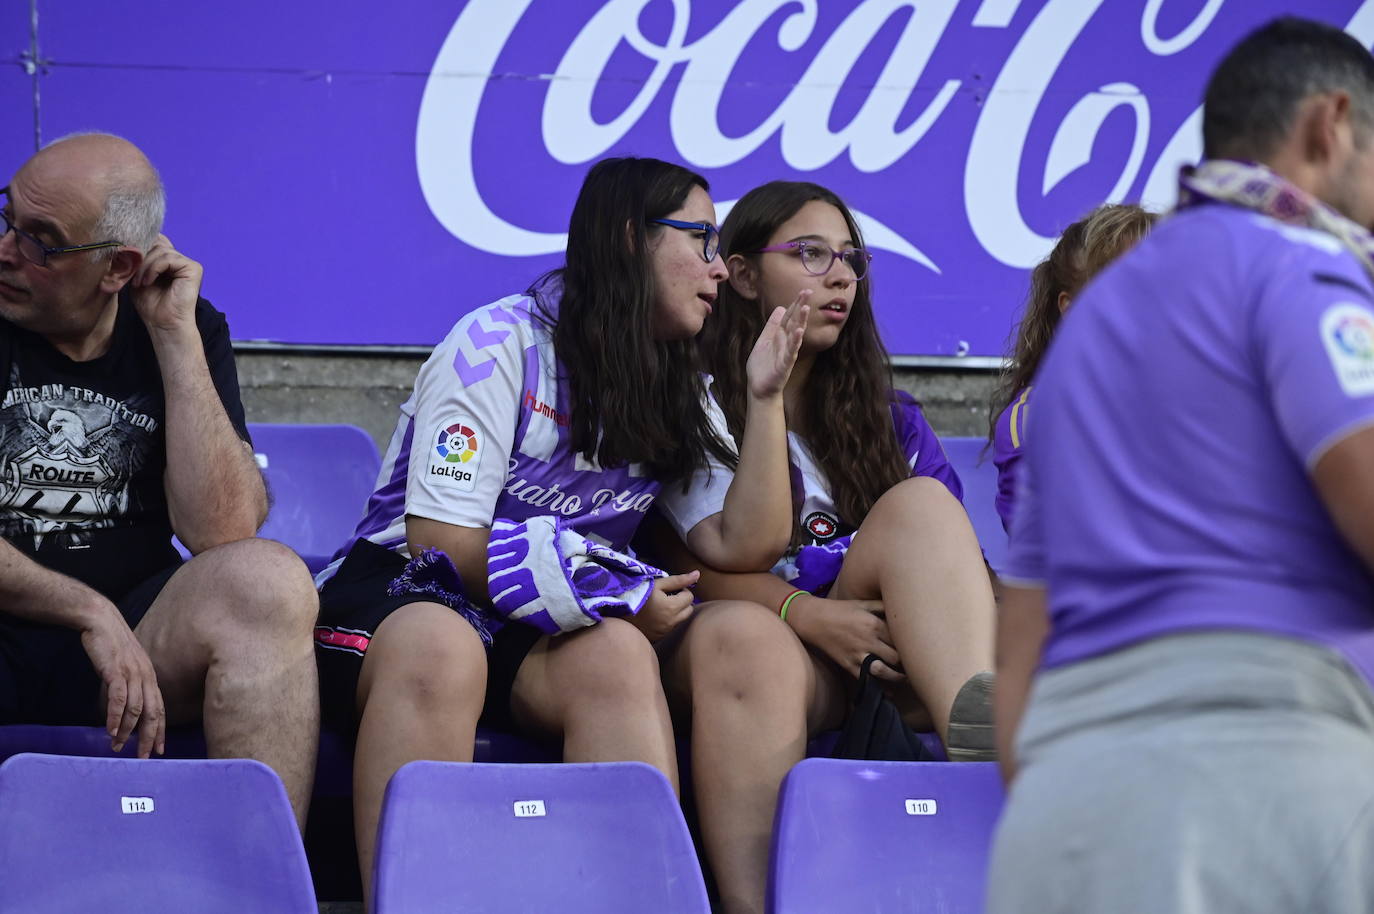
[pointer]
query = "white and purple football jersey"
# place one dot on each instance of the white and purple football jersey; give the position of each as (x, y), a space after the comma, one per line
(485, 434)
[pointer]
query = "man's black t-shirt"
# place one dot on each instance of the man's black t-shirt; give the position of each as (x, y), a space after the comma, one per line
(82, 450)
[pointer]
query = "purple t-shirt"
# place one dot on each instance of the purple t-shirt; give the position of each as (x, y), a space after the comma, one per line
(1185, 399)
(1007, 436)
(485, 434)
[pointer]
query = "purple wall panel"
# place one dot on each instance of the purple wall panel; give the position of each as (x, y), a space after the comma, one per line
(288, 201)
(308, 35)
(16, 88)
(355, 172)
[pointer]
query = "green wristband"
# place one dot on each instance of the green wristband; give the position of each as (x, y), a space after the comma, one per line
(787, 601)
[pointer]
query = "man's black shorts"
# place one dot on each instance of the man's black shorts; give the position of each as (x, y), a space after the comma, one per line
(45, 675)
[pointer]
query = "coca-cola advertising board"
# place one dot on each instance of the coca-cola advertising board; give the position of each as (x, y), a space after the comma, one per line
(16, 89)
(363, 173)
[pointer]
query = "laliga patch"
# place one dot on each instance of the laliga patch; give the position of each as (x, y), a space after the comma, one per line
(1348, 334)
(456, 454)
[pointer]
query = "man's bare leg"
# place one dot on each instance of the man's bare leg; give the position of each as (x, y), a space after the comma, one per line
(231, 639)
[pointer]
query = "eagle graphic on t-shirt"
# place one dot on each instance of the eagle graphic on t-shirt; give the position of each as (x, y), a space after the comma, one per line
(65, 465)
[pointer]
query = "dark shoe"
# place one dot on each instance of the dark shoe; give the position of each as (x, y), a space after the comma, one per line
(970, 722)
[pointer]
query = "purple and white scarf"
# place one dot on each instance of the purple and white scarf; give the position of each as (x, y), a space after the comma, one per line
(816, 566)
(544, 574)
(540, 573)
(1255, 187)
(432, 574)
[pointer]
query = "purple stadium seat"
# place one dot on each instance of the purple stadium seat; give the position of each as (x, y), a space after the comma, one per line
(334, 773)
(496, 746)
(567, 838)
(122, 835)
(329, 832)
(182, 742)
(333, 777)
(822, 745)
(883, 836)
(320, 477)
(979, 477)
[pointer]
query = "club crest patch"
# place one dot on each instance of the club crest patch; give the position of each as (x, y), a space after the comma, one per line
(821, 526)
(1347, 331)
(456, 454)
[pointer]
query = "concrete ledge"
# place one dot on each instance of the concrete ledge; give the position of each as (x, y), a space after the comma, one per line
(365, 388)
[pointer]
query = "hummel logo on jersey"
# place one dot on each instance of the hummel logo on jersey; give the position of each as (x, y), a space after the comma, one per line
(540, 408)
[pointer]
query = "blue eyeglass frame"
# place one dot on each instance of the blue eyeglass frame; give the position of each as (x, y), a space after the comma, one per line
(710, 243)
(47, 252)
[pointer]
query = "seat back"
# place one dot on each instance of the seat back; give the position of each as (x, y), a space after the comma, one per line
(979, 477)
(53, 740)
(883, 836)
(568, 838)
(320, 477)
(122, 835)
(182, 742)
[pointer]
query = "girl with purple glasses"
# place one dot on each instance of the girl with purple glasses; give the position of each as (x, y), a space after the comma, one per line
(881, 560)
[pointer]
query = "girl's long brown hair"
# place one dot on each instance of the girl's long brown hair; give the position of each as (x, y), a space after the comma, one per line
(846, 410)
(1080, 254)
(635, 399)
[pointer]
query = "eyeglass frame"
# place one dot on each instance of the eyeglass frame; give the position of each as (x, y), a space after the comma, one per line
(21, 235)
(712, 235)
(834, 256)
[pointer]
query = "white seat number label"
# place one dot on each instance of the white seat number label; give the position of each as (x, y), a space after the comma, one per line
(525, 809)
(132, 805)
(920, 807)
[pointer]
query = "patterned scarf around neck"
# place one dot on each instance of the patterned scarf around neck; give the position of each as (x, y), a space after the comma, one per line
(1256, 187)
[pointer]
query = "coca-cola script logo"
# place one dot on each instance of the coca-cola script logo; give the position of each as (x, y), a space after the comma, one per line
(965, 135)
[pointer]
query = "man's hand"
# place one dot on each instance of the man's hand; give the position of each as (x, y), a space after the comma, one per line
(847, 631)
(132, 697)
(166, 288)
(668, 606)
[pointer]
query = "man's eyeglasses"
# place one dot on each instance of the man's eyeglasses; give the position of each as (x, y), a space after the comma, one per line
(817, 259)
(35, 251)
(710, 235)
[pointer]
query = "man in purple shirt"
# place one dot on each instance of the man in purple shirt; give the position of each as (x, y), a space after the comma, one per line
(1189, 566)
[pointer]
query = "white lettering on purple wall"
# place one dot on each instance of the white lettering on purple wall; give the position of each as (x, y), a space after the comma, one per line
(993, 165)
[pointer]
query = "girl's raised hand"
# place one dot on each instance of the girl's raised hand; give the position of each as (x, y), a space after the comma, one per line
(775, 352)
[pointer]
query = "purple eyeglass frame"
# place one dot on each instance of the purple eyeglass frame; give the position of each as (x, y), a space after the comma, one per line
(834, 256)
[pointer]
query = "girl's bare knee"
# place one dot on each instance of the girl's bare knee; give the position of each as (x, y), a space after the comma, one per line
(611, 658)
(427, 655)
(924, 491)
(744, 647)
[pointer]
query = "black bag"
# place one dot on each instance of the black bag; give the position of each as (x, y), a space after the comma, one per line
(875, 729)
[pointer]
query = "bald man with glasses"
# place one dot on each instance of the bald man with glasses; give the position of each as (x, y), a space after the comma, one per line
(121, 425)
